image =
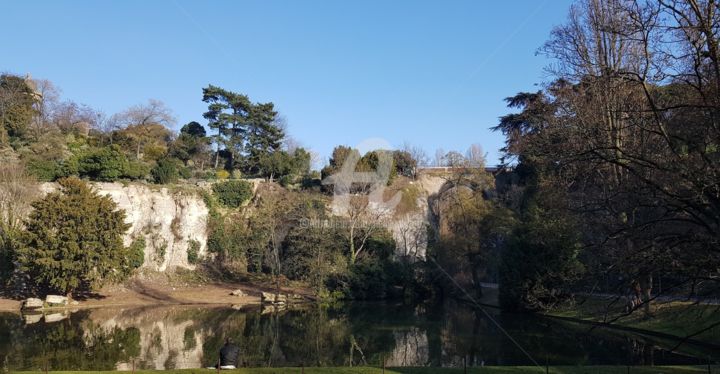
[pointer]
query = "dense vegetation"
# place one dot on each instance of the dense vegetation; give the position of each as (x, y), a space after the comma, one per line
(617, 158)
(609, 183)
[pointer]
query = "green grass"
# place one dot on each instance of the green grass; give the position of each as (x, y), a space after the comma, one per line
(433, 370)
(680, 319)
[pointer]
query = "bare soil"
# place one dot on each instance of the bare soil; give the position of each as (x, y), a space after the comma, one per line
(145, 292)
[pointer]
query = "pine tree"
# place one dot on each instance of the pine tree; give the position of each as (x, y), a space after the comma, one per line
(73, 240)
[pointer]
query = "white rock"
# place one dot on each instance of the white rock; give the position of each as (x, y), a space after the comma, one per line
(55, 317)
(237, 293)
(56, 300)
(272, 298)
(32, 318)
(32, 303)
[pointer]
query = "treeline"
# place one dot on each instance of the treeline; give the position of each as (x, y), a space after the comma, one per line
(46, 245)
(617, 158)
(56, 138)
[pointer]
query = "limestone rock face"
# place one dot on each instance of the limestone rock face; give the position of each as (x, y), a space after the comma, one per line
(169, 221)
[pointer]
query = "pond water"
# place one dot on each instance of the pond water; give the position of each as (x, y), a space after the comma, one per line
(357, 334)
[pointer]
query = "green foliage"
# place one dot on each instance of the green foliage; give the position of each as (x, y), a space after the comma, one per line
(136, 252)
(222, 174)
(232, 193)
(73, 240)
(193, 252)
(367, 280)
(136, 170)
(370, 162)
(312, 252)
(7, 258)
(227, 240)
(46, 170)
(185, 173)
(191, 145)
(160, 252)
(243, 126)
(16, 107)
(540, 260)
(106, 164)
(405, 164)
(165, 171)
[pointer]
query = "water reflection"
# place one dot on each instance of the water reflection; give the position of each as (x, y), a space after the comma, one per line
(361, 334)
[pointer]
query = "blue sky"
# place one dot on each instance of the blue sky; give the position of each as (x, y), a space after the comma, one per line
(432, 73)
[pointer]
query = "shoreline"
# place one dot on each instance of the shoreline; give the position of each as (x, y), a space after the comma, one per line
(137, 293)
(556, 369)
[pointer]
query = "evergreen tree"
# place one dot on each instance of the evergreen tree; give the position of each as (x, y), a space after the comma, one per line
(264, 139)
(73, 240)
(227, 114)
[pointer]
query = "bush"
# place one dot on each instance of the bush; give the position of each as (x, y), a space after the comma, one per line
(541, 259)
(105, 164)
(62, 233)
(137, 170)
(222, 174)
(205, 175)
(136, 252)
(232, 193)
(185, 173)
(193, 252)
(368, 280)
(46, 170)
(165, 171)
(286, 180)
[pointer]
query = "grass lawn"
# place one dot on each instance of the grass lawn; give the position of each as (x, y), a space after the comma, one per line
(675, 318)
(424, 370)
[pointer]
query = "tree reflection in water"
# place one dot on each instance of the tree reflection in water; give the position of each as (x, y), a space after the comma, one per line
(359, 334)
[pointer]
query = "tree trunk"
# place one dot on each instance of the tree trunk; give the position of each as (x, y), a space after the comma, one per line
(217, 156)
(646, 287)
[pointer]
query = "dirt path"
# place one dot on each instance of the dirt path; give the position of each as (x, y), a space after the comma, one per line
(142, 293)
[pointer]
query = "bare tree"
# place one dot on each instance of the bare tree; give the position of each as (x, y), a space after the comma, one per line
(17, 191)
(417, 153)
(475, 156)
(439, 157)
(48, 98)
(144, 120)
(154, 112)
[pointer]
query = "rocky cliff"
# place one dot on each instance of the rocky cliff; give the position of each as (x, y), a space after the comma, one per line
(170, 222)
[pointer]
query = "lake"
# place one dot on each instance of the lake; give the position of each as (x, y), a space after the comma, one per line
(356, 334)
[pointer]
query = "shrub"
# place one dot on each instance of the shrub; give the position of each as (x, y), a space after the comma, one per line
(222, 174)
(541, 258)
(106, 164)
(62, 233)
(193, 252)
(232, 193)
(286, 180)
(136, 252)
(185, 173)
(46, 170)
(136, 170)
(368, 280)
(165, 171)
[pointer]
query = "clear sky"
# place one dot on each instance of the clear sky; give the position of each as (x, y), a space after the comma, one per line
(432, 73)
